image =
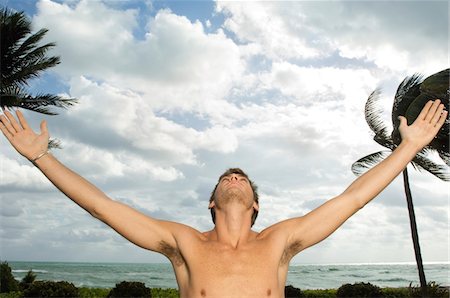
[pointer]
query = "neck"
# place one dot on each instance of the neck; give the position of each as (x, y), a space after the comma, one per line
(233, 225)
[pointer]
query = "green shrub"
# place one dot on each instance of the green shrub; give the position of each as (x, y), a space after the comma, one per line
(130, 289)
(359, 290)
(93, 292)
(329, 293)
(431, 291)
(11, 295)
(395, 292)
(27, 280)
(165, 293)
(293, 292)
(7, 281)
(51, 289)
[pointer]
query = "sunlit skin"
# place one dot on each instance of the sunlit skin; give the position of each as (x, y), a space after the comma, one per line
(231, 260)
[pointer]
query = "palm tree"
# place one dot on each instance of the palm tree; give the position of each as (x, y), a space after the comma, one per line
(23, 59)
(411, 96)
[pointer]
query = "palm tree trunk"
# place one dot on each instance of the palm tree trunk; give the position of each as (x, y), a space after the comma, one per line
(414, 234)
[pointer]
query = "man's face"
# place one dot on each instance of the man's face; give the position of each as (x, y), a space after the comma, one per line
(233, 188)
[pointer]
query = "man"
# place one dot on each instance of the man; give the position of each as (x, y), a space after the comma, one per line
(231, 260)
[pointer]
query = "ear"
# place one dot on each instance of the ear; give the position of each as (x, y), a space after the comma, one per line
(211, 205)
(256, 206)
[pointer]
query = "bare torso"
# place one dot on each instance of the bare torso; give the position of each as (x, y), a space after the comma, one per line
(204, 267)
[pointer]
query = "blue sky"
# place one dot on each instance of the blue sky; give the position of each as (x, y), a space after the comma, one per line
(173, 93)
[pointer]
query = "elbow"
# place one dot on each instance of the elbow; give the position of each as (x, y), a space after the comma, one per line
(360, 204)
(98, 210)
(355, 199)
(94, 212)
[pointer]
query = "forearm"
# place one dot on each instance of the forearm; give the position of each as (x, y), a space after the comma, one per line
(78, 189)
(370, 184)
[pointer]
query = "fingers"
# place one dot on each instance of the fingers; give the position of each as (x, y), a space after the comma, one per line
(433, 113)
(16, 126)
(44, 129)
(440, 119)
(4, 129)
(403, 121)
(7, 129)
(22, 120)
(437, 114)
(425, 110)
(432, 110)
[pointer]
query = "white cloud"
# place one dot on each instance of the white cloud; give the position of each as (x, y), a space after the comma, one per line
(260, 23)
(131, 117)
(369, 31)
(278, 91)
(21, 176)
(176, 66)
(318, 85)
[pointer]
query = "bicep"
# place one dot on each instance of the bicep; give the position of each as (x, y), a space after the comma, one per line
(138, 228)
(321, 222)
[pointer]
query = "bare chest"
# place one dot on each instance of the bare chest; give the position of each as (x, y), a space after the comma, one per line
(212, 270)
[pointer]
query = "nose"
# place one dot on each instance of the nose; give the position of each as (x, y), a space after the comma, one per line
(233, 177)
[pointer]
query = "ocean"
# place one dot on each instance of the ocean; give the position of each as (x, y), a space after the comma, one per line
(106, 275)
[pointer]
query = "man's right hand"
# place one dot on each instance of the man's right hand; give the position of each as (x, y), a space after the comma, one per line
(22, 137)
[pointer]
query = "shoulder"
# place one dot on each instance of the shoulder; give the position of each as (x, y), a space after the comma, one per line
(184, 237)
(281, 229)
(181, 231)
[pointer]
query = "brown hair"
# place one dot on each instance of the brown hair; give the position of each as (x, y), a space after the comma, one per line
(253, 185)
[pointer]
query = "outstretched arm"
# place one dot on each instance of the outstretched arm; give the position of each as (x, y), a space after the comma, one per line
(140, 229)
(315, 226)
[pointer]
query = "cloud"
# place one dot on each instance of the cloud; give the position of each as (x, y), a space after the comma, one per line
(176, 65)
(259, 23)
(21, 176)
(371, 31)
(166, 105)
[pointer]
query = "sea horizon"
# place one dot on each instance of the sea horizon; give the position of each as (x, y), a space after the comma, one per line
(301, 275)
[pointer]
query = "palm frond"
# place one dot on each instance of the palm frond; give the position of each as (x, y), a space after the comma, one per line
(422, 162)
(14, 26)
(407, 91)
(445, 156)
(31, 42)
(31, 69)
(54, 144)
(367, 162)
(384, 139)
(373, 112)
(22, 58)
(437, 86)
(39, 103)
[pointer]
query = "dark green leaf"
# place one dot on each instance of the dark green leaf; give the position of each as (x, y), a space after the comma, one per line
(367, 162)
(421, 161)
(437, 85)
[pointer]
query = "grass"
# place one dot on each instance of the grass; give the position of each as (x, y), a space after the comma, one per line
(173, 293)
(404, 292)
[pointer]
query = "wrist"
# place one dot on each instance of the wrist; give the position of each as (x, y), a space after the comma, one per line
(40, 156)
(410, 146)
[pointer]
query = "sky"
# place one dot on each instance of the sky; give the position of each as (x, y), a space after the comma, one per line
(171, 94)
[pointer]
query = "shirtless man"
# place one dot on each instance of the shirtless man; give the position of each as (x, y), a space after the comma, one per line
(231, 260)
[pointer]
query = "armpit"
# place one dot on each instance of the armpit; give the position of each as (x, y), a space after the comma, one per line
(291, 251)
(172, 253)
